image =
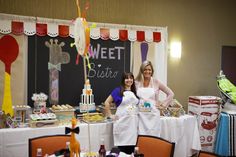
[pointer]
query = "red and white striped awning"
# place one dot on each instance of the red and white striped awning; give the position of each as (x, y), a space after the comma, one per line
(19, 25)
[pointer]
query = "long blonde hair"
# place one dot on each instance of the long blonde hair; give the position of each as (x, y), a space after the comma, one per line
(141, 70)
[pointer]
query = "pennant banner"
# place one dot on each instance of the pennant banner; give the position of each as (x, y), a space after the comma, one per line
(63, 28)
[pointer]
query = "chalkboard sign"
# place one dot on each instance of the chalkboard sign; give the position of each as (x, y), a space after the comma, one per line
(110, 59)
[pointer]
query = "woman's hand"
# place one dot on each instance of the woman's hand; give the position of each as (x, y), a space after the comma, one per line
(161, 106)
(113, 117)
(108, 106)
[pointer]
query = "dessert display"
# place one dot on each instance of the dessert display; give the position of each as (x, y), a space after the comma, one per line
(43, 119)
(22, 107)
(39, 102)
(65, 107)
(93, 117)
(63, 112)
(43, 116)
(87, 99)
(175, 109)
(21, 114)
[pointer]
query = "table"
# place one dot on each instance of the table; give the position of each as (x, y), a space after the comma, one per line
(14, 142)
(183, 131)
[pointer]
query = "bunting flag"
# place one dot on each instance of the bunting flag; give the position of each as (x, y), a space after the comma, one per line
(45, 27)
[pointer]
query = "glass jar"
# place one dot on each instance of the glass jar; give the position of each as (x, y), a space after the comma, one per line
(39, 107)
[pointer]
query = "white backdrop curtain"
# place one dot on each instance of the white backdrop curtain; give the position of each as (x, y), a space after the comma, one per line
(157, 51)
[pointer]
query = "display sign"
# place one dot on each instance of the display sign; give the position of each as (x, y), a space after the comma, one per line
(108, 60)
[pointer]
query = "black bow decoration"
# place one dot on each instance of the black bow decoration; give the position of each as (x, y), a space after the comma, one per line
(75, 130)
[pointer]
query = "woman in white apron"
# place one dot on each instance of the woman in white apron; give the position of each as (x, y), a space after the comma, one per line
(148, 91)
(125, 125)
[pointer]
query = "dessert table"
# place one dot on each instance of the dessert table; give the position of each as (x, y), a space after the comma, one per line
(183, 131)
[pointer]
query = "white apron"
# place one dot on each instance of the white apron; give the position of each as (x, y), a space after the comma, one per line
(149, 122)
(125, 129)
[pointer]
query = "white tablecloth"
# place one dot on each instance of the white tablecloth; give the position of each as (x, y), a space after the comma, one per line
(183, 131)
(14, 142)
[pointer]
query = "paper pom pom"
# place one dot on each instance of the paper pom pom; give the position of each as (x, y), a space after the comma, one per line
(82, 36)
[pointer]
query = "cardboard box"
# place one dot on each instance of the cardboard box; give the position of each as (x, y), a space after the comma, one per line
(207, 110)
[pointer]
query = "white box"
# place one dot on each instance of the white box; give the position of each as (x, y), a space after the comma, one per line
(207, 110)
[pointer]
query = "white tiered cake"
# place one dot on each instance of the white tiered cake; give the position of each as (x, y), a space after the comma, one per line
(87, 99)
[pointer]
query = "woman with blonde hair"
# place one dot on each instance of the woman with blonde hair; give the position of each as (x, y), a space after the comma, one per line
(148, 89)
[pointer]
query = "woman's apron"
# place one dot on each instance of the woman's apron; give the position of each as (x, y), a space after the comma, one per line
(149, 122)
(125, 129)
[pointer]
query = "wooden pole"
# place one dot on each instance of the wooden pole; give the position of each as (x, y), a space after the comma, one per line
(85, 69)
(85, 78)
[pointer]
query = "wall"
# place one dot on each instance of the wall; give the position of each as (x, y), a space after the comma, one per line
(202, 26)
